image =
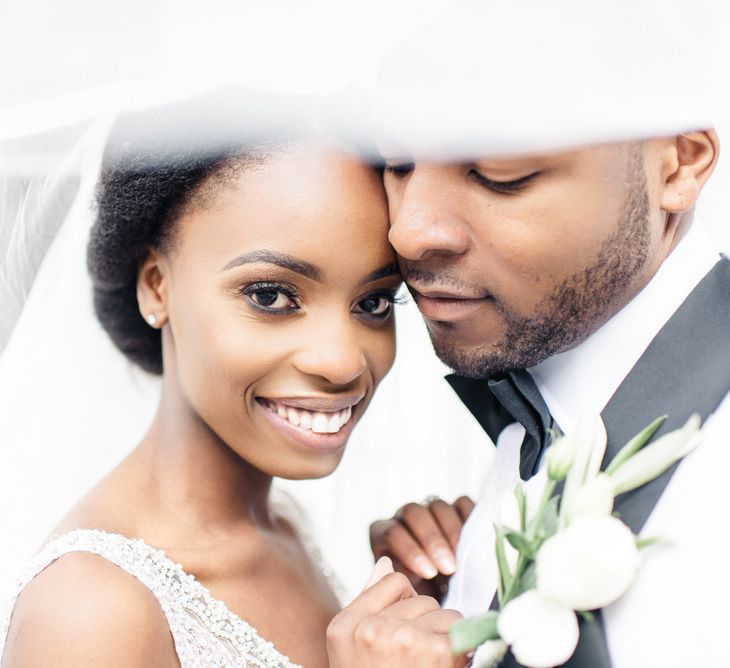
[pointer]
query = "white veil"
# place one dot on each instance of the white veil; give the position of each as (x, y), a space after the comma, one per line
(70, 405)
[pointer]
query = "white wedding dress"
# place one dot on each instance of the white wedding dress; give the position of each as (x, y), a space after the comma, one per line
(206, 633)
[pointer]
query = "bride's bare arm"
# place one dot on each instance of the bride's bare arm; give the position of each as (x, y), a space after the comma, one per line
(83, 611)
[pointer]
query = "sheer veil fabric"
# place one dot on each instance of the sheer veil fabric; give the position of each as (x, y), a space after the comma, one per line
(70, 405)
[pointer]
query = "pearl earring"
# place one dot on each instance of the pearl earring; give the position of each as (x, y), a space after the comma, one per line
(151, 319)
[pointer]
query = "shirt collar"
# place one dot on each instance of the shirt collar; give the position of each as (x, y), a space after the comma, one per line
(585, 378)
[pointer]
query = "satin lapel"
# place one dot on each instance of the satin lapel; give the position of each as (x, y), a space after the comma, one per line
(685, 369)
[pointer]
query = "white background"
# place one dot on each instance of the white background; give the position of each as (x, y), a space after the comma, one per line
(61, 61)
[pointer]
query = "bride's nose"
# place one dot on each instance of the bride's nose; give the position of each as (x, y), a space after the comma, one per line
(334, 354)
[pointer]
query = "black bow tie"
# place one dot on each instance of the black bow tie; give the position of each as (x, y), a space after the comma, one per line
(497, 402)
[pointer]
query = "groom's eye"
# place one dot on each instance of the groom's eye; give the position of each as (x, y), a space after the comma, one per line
(504, 187)
(399, 168)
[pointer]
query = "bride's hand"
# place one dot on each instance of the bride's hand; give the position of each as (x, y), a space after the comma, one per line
(421, 540)
(390, 626)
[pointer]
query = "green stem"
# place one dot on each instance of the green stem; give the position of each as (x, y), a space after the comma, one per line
(546, 496)
(522, 560)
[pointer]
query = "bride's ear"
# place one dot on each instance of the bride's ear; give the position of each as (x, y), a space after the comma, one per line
(152, 289)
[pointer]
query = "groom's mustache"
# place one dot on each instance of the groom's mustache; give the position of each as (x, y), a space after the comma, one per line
(424, 281)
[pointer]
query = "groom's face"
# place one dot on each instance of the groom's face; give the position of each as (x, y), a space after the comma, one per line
(511, 261)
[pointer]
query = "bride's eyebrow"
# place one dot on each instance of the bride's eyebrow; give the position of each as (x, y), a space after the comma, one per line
(388, 270)
(279, 259)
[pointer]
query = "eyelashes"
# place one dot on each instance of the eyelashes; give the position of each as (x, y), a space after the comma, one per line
(281, 299)
(271, 298)
(401, 169)
(502, 186)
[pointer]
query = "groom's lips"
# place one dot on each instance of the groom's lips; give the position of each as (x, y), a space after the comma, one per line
(447, 306)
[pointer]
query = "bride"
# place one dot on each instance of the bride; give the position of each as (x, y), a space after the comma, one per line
(256, 278)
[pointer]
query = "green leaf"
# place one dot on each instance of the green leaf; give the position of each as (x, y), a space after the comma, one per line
(469, 633)
(549, 523)
(587, 615)
(527, 581)
(522, 505)
(641, 543)
(520, 542)
(635, 444)
(504, 581)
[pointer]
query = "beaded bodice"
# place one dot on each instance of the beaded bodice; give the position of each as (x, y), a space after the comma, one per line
(205, 632)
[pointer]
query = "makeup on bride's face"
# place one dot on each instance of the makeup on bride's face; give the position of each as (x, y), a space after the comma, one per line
(281, 293)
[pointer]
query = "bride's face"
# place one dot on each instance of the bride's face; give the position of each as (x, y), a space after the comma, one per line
(278, 299)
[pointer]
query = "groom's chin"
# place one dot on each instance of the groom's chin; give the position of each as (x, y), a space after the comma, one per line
(469, 361)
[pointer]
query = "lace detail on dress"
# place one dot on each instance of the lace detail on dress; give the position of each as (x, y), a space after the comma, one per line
(206, 633)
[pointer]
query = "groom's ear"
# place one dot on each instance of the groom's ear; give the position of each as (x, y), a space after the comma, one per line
(687, 162)
(152, 288)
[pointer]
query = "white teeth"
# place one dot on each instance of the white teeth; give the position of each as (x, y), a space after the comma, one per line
(305, 419)
(318, 422)
(333, 424)
(293, 415)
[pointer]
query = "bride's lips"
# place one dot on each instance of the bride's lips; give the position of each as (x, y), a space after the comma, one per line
(316, 423)
(447, 306)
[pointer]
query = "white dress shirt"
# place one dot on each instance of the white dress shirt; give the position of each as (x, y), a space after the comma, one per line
(583, 380)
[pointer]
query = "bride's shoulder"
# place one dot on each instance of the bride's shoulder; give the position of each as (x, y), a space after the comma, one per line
(83, 610)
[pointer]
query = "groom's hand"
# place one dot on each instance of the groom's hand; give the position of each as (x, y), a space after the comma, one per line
(390, 626)
(421, 540)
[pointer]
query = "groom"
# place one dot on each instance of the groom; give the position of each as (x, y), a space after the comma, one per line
(560, 269)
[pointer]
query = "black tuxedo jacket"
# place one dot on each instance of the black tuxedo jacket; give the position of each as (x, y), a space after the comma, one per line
(685, 370)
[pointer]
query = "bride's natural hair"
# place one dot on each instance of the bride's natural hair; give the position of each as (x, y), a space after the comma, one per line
(156, 163)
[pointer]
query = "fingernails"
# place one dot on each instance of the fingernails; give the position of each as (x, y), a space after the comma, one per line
(382, 567)
(424, 568)
(445, 561)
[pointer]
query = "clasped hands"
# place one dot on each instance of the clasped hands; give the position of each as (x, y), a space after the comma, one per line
(397, 620)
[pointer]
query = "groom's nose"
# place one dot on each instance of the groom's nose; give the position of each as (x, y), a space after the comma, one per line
(424, 210)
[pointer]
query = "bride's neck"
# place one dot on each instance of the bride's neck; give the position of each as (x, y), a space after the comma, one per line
(190, 470)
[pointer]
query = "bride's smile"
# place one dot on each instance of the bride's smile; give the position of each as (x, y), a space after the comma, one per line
(278, 354)
(260, 285)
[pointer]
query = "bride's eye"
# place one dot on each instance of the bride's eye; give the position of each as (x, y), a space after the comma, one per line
(378, 305)
(271, 298)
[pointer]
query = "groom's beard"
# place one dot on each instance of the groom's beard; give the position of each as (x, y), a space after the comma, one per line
(575, 308)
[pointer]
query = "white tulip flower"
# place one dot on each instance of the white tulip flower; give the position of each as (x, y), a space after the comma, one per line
(589, 564)
(489, 654)
(541, 632)
(653, 459)
(559, 457)
(594, 499)
(589, 446)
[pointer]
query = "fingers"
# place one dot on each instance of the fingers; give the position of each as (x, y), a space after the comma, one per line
(383, 567)
(464, 505)
(389, 589)
(449, 520)
(414, 608)
(435, 529)
(393, 538)
(410, 632)
(422, 537)
(439, 620)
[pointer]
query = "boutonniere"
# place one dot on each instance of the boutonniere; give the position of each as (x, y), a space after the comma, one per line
(571, 555)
